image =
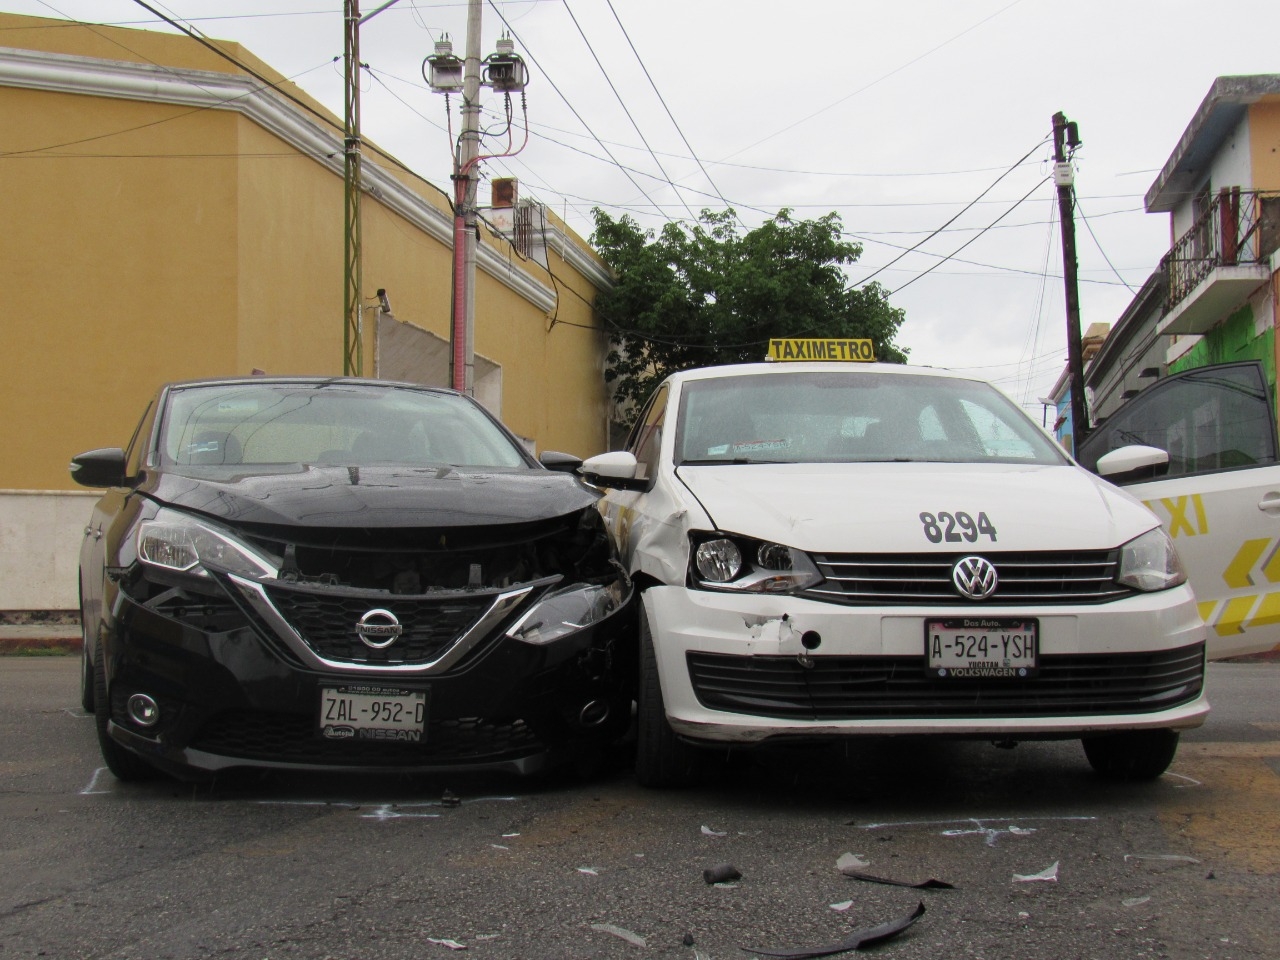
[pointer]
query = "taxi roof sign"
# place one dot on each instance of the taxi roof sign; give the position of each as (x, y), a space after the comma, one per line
(861, 351)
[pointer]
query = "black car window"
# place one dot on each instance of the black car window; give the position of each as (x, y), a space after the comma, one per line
(1208, 420)
(330, 423)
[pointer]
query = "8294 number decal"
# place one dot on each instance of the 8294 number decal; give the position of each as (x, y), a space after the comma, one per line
(955, 527)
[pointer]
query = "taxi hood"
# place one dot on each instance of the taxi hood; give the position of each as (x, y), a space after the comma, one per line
(877, 507)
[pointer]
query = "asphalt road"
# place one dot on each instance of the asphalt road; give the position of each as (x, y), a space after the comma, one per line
(347, 867)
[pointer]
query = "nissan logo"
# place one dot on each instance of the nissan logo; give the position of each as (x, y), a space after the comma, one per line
(379, 628)
(975, 577)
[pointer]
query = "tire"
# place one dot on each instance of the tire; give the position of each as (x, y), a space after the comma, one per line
(123, 764)
(1134, 755)
(662, 758)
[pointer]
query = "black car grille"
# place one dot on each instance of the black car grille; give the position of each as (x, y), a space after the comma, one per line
(326, 620)
(289, 738)
(1039, 578)
(880, 688)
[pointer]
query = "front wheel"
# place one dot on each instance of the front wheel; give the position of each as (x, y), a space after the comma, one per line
(662, 758)
(1132, 755)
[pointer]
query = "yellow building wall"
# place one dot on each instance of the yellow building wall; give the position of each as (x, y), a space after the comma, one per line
(146, 242)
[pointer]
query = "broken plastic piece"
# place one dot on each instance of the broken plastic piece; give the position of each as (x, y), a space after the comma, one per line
(1135, 901)
(632, 938)
(842, 906)
(1049, 873)
(1173, 857)
(589, 871)
(451, 944)
(855, 941)
(851, 861)
(708, 832)
(721, 873)
(930, 884)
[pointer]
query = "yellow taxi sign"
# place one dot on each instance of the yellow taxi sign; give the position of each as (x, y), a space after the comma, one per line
(831, 349)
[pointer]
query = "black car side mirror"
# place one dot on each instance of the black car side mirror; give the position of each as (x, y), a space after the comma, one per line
(561, 462)
(99, 468)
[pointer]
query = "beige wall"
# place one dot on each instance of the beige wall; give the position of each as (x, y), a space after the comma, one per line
(1264, 143)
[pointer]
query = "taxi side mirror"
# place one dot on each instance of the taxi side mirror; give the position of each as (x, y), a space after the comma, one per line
(1135, 461)
(616, 469)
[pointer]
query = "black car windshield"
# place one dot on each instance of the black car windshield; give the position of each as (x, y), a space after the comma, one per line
(329, 422)
(855, 416)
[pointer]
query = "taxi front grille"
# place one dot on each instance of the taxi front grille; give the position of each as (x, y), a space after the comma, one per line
(925, 578)
(897, 688)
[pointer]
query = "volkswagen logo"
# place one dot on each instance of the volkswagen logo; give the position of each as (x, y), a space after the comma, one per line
(379, 628)
(975, 577)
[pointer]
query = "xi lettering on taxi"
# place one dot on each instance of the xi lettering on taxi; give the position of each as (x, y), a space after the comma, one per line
(1187, 518)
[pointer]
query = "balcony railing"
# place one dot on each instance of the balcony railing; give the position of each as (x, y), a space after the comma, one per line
(1240, 227)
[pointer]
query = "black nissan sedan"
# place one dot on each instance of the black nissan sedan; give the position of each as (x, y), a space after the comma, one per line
(345, 574)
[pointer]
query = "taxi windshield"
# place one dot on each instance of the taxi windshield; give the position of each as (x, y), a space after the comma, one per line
(854, 417)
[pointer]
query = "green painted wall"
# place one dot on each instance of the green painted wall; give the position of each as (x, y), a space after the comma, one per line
(1232, 340)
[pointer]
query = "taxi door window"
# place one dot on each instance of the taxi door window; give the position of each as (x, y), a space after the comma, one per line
(1208, 420)
(646, 437)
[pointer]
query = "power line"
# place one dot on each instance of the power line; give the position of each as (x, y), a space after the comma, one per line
(962, 212)
(1098, 244)
(970, 240)
(622, 103)
(511, 30)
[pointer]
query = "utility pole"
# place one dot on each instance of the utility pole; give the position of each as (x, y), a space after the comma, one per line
(1066, 138)
(504, 72)
(353, 279)
(466, 178)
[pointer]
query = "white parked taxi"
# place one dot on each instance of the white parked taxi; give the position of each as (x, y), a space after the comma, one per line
(830, 550)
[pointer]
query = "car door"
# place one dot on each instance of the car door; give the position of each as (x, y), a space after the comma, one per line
(1219, 496)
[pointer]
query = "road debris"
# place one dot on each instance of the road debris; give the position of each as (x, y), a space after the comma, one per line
(708, 832)
(842, 906)
(589, 871)
(1166, 857)
(1049, 873)
(721, 873)
(851, 861)
(451, 944)
(930, 884)
(1135, 901)
(632, 938)
(855, 941)
(450, 799)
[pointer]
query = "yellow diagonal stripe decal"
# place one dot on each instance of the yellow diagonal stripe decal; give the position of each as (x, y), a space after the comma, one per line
(1206, 609)
(1236, 576)
(1268, 611)
(1272, 570)
(1234, 615)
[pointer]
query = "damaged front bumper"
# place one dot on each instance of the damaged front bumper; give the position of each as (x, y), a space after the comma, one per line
(238, 680)
(745, 669)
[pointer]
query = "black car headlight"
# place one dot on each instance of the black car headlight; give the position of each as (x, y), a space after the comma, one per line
(741, 564)
(569, 610)
(180, 543)
(1151, 562)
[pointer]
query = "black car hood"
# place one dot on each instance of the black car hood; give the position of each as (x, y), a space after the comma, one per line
(371, 497)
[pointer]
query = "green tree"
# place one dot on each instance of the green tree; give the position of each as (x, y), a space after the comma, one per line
(700, 295)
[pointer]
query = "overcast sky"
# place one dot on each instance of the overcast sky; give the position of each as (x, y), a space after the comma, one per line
(895, 115)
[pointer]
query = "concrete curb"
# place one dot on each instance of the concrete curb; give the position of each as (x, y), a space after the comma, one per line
(30, 639)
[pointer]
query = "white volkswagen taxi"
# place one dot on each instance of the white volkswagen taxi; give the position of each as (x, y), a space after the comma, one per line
(832, 550)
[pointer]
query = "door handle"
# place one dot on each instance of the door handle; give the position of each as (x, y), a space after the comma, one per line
(1270, 503)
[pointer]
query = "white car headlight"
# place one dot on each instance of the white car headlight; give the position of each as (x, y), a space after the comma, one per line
(1151, 562)
(751, 566)
(567, 611)
(178, 542)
